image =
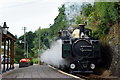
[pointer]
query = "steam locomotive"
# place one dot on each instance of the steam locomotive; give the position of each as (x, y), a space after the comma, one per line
(82, 51)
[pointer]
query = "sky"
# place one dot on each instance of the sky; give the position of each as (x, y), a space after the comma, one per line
(29, 13)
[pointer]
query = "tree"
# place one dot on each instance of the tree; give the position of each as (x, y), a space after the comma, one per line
(87, 9)
(59, 22)
(19, 52)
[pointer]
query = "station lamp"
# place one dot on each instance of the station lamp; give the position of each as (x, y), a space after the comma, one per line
(5, 28)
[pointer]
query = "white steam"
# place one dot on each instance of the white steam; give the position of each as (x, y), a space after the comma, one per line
(53, 56)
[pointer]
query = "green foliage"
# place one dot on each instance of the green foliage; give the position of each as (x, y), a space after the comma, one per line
(30, 38)
(108, 15)
(87, 9)
(100, 16)
(107, 11)
(15, 61)
(42, 35)
(35, 60)
(19, 46)
(59, 22)
(78, 20)
(19, 52)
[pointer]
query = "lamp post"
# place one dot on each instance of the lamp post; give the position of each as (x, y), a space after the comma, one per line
(4, 28)
(4, 31)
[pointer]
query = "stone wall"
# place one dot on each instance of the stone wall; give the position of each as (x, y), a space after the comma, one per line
(111, 50)
(115, 65)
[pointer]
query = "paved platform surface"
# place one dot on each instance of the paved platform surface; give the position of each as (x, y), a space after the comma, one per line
(36, 71)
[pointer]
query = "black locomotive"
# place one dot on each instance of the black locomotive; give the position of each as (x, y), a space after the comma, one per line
(82, 51)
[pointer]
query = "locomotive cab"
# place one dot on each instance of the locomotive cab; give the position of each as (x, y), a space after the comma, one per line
(81, 32)
(65, 35)
(66, 44)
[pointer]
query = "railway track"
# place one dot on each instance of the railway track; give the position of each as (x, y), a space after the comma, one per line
(92, 77)
(85, 77)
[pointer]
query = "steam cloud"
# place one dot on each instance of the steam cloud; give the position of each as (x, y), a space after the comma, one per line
(53, 56)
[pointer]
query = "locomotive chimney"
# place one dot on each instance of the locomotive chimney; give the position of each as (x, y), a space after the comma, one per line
(81, 27)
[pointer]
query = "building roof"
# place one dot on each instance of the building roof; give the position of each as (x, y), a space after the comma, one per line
(9, 36)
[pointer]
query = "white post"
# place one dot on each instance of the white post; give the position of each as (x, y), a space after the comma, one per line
(27, 49)
(39, 46)
(24, 28)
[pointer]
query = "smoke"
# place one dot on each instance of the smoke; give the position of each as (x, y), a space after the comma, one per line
(72, 10)
(53, 56)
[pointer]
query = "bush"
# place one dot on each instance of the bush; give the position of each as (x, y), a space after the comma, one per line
(15, 61)
(35, 60)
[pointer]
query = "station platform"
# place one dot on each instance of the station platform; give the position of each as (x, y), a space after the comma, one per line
(38, 72)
